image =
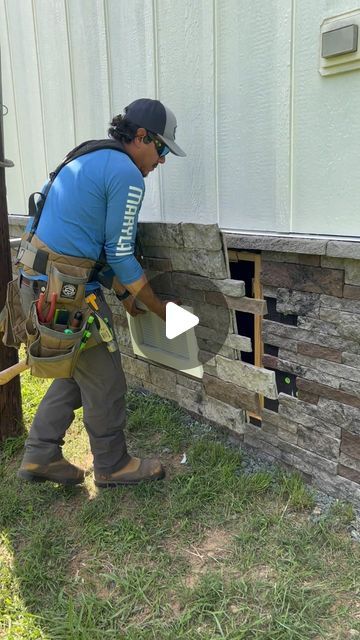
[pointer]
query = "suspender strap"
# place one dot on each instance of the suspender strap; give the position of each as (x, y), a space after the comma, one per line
(36, 207)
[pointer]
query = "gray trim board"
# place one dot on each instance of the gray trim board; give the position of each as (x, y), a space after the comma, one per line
(291, 244)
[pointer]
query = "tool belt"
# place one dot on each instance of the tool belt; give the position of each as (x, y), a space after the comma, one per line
(60, 322)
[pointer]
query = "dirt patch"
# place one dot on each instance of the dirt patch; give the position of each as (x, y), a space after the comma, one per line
(173, 465)
(79, 563)
(70, 500)
(80, 568)
(262, 572)
(352, 603)
(213, 550)
(175, 607)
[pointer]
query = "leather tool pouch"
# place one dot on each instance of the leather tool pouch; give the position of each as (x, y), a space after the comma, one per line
(68, 282)
(52, 353)
(13, 317)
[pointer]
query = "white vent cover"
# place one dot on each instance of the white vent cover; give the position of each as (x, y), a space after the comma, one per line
(340, 44)
(149, 341)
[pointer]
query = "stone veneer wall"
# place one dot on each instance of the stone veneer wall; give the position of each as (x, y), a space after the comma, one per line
(317, 432)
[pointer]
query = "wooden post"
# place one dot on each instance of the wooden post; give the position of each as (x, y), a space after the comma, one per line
(11, 423)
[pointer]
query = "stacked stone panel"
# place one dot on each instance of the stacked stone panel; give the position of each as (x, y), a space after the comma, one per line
(323, 352)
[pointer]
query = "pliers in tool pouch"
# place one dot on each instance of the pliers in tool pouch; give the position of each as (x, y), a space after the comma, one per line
(39, 308)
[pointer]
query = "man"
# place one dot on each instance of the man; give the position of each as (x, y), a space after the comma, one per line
(93, 206)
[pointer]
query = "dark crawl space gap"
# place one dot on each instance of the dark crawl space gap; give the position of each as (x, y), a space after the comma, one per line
(246, 266)
(286, 382)
(244, 269)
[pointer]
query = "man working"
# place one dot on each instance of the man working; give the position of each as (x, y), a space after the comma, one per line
(93, 206)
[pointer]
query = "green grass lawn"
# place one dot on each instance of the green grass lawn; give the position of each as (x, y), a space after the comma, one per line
(208, 553)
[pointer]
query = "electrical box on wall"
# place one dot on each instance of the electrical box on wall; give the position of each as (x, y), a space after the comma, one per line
(339, 43)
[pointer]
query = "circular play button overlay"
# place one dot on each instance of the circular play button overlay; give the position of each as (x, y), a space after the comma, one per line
(198, 319)
(178, 320)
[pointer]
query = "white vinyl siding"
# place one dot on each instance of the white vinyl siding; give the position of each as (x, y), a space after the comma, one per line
(271, 145)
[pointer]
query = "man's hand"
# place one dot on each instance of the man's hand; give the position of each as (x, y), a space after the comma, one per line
(130, 306)
(141, 290)
(164, 303)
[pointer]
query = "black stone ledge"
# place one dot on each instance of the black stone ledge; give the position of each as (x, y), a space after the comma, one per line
(292, 243)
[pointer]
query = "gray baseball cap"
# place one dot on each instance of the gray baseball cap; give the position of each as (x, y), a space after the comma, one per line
(156, 118)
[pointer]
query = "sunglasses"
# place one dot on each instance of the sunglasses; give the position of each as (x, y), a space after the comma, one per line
(160, 146)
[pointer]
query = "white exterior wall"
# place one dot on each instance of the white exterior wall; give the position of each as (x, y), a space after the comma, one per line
(325, 131)
(271, 144)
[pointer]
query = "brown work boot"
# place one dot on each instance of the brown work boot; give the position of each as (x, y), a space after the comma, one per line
(137, 470)
(60, 471)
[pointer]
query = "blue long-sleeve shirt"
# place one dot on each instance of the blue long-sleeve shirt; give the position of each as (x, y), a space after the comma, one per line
(93, 204)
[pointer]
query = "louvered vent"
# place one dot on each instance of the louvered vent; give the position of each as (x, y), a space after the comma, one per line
(149, 341)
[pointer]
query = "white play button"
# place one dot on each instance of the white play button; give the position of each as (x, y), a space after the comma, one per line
(178, 320)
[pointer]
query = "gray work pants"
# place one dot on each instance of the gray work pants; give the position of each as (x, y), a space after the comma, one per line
(98, 385)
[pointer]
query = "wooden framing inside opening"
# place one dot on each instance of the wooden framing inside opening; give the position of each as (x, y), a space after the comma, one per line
(256, 292)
